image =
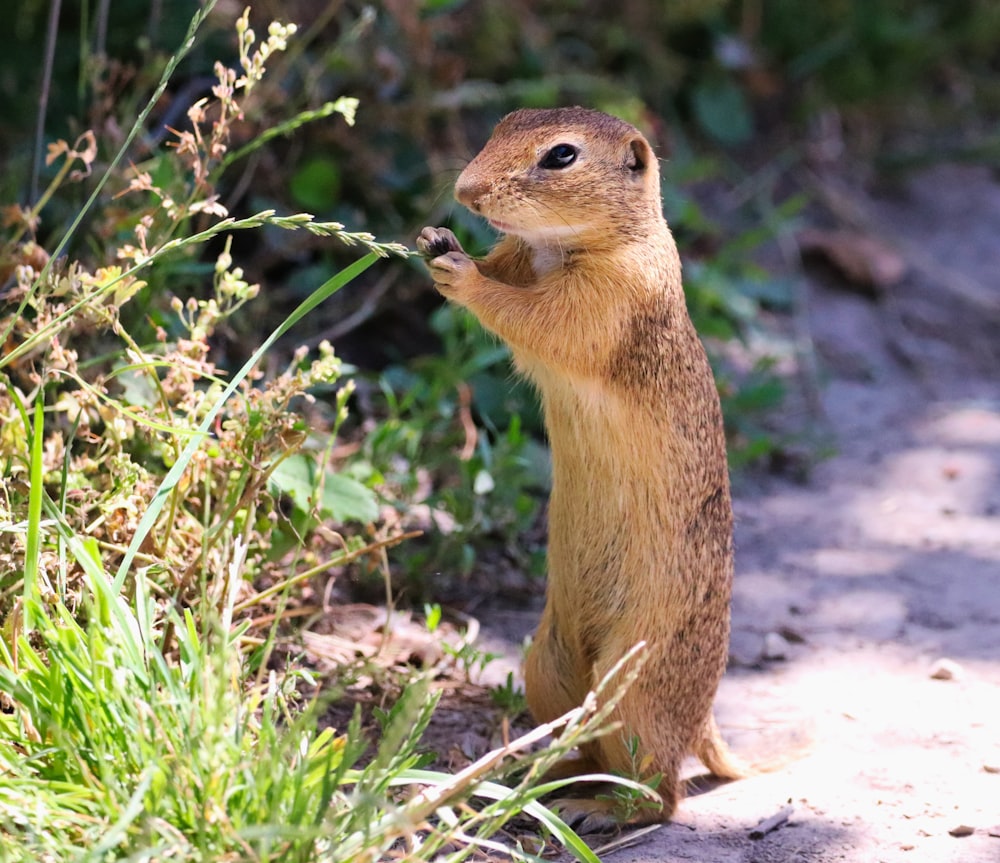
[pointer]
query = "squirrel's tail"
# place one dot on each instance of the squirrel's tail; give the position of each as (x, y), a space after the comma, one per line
(716, 755)
(773, 751)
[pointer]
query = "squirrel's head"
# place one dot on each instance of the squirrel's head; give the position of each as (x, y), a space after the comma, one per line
(564, 175)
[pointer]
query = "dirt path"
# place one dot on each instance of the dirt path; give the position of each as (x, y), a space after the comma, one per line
(886, 561)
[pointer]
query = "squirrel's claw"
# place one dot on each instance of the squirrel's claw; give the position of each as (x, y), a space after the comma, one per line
(434, 242)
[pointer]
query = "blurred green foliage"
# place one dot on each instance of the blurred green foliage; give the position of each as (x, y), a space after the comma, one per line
(471, 479)
(903, 51)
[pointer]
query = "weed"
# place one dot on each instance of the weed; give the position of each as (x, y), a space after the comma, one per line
(432, 617)
(509, 697)
(468, 657)
(629, 801)
(465, 655)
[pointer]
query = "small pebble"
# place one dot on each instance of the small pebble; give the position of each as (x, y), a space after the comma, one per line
(946, 669)
(775, 646)
(991, 768)
(792, 636)
(961, 830)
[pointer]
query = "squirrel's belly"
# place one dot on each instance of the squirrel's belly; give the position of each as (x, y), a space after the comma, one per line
(586, 419)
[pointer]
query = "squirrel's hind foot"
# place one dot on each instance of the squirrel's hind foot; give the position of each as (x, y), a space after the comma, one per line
(607, 814)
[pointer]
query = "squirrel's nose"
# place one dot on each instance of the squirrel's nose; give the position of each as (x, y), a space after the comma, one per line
(470, 189)
(469, 196)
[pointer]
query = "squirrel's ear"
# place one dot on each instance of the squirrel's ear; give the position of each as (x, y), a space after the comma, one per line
(640, 155)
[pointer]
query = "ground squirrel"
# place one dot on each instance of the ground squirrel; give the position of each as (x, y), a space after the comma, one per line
(585, 287)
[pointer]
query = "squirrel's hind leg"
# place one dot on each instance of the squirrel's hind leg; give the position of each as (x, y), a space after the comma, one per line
(555, 681)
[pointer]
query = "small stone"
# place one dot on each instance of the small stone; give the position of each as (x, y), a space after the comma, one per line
(991, 768)
(775, 646)
(961, 830)
(946, 669)
(994, 832)
(792, 636)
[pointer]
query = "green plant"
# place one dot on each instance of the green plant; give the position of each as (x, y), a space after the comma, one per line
(628, 801)
(858, 52)
(509, 697)
(467, 656)
(168, 393)
(746, 403)
(432, 616)
(140, 735)
(137, 731)
(452, 449)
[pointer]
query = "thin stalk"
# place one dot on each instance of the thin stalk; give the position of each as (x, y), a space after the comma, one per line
(265, 217)
(35, 494)
(51, 35)
(345, 106)
(46, 195)
(101, 27)
(339, 560)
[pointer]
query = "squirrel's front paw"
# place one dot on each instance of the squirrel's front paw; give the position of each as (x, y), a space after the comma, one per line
(450, 270)
(434, 242)
(448, 263)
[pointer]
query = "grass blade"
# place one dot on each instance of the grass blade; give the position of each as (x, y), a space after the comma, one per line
(35, 494)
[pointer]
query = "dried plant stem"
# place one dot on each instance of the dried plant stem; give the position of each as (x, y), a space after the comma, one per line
(43, 95)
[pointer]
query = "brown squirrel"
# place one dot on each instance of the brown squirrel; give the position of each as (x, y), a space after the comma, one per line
(586, 289)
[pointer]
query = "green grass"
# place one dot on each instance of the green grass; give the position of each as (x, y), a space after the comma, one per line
(141, 735)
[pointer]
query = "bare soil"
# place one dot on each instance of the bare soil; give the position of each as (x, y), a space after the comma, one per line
(852, 585)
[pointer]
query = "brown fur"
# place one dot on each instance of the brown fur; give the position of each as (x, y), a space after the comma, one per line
(586, 290)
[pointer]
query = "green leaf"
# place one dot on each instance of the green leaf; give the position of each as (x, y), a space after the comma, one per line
(137, 390)
(432, 613)
(342, 498)
(316, 185)
(777, 293)
(722, 111)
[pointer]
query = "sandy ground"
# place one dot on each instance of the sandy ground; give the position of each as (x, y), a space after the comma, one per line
(884, 562)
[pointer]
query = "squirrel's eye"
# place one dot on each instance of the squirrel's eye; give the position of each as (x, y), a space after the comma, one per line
(560, 156)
